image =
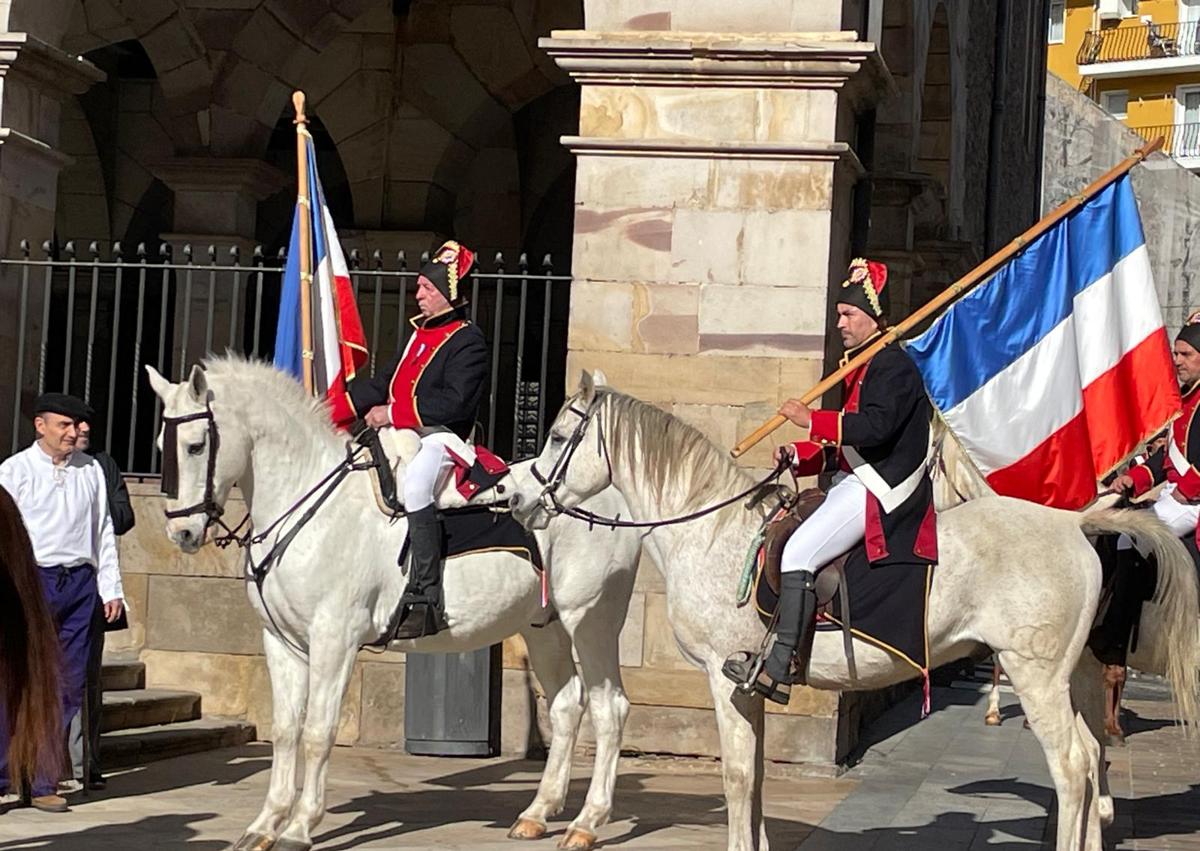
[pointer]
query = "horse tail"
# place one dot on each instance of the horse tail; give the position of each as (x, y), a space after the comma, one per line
(1176, 596)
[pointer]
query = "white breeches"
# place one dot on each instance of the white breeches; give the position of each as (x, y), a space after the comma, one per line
(833, 529)
(1179, 518)
(426, 473)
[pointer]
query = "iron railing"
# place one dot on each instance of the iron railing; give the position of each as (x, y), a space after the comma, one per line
(1145, 41)
(1181, 140)
(87, 324)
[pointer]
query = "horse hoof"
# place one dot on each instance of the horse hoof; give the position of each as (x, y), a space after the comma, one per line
(1106, 810)
(291, 845)
(577, 839)
(253, 842)
(992, 719)
(527, 828)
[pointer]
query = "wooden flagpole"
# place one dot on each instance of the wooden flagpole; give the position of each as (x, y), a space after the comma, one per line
(958, 288)
(304, 200)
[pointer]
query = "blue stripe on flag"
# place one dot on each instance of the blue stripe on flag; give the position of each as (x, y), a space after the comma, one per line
(991, 327)
(287, 330)
(317, 204)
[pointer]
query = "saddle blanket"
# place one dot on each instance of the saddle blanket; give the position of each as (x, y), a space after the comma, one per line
(474, 530)
(888, 607)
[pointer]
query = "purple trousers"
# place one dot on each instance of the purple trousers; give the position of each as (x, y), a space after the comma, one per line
(71, 593)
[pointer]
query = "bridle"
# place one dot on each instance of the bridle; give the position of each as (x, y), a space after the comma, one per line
(548, 497)
(170, 477)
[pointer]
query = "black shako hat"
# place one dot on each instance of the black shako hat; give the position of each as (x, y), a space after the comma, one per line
(1190, 332)
(448, 268)
(865, 287)
(61, 403)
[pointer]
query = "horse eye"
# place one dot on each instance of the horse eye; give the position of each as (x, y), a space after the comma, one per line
(195, 448)
(556, 439)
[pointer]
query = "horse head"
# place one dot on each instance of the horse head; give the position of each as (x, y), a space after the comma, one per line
(574, 463)
(204, 453)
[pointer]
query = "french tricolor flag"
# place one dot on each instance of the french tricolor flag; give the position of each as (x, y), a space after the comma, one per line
(339, 344)
(1052, 373)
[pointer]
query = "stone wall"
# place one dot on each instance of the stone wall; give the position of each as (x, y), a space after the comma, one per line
(1083, 142)
(192, 624)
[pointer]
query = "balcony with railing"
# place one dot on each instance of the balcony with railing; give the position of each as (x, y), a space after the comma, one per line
(1182, 141)
(1137, 51)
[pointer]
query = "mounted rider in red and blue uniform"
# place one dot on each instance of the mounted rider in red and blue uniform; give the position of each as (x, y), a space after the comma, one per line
(878, 449)
(433, 386)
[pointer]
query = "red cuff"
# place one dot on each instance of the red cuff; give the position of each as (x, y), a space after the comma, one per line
(1189, 484)
(808, 458)
(404, 413)
(341, 410)
(1143, 479)
(826, 428)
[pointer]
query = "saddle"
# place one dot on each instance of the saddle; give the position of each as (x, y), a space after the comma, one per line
(830, 579)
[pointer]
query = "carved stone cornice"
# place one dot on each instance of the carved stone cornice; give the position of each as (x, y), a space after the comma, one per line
(50, 69)
(35, 149)
(835, 152)
(241, 175)
(825, 60)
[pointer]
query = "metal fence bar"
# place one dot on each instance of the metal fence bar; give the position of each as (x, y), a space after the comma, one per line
(212, 300)
(137, 348)
(235, 258)
(378, 258)
(22, 321)
(496, 330)
(69, 250)
(187, 311)
(46, 288)
(523, 266)
(94, 250)
(165, 297)
(112, 357)
(258, 291)
(546, 296)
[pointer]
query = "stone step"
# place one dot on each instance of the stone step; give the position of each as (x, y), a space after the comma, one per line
(145, 707)
(121, 676)
(123, 748)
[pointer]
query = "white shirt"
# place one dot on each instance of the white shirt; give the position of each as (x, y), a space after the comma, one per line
(65, 509)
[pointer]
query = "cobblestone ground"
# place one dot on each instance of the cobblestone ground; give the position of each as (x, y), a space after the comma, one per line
(944, 784)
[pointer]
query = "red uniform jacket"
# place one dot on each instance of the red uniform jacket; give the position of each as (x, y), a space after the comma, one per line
(1179, 461)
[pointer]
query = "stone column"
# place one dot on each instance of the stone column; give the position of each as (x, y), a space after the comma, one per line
(713, 212)
(34, 80)
(216, 204)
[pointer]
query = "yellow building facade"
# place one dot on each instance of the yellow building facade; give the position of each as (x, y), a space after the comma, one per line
(1139, 59)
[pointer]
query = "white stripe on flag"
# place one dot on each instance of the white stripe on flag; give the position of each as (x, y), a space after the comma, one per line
(1040, 392)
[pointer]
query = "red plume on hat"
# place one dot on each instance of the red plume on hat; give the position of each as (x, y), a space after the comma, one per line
(865, 287)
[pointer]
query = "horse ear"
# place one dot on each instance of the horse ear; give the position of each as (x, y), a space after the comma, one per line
(158, 384)
(198, 384)
(599, 378)
(587, 388)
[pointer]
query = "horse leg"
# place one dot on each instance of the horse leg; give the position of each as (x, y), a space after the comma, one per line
(596, 641)
(1087, 693)
(740, 725)
(330, 663)
(289, 690)
(1114, 686)
(992, 719)
(1045, 696)
(550, 656)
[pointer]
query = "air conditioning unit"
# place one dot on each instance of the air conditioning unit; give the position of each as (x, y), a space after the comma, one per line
(1110, 9)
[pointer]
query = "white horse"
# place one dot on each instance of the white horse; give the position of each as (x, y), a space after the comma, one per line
(336, 585)
(1013, 576)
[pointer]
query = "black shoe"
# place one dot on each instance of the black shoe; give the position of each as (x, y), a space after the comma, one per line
(97, 781)
(423, 595)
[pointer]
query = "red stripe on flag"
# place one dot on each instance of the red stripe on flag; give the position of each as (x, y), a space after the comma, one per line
(352, 340)
(1058, 472)
(1131, 401)
(1120, 409)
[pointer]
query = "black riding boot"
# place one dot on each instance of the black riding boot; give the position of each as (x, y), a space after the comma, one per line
(795, 627)
(423, 594)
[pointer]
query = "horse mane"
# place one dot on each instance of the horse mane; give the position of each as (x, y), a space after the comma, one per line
(955, 477)
(29, 651)
(246, 382)
(673, 453)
